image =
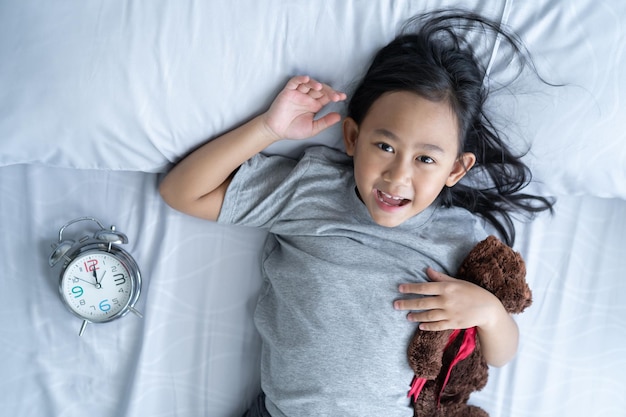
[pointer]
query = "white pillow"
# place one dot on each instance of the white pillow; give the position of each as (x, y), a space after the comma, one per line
(577, 131)
(113, 86)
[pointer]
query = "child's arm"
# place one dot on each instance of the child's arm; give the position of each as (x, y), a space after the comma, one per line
(458, 304)
(198, 183)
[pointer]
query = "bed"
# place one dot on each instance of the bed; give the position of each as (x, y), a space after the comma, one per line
(99, 98)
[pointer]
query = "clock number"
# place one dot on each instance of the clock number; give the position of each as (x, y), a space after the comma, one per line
(77, 291)
(104, 305)
(121, 280)
(90, 265)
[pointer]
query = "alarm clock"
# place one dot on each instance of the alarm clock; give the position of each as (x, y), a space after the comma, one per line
(99, 281)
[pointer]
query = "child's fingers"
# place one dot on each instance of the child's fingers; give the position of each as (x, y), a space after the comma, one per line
(436, 326)
(314, 88)
(325, 94)
(417, 304)
(295, 82)
(434, 319)
(429, 316)
(325, 122)
(332, 94)
(438, 276)
(422, 288)
(304, 84)
(315, 94)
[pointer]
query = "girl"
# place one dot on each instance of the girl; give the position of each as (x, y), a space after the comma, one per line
(356, 239)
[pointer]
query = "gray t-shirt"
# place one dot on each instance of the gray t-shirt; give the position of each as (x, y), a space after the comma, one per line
(332, 343)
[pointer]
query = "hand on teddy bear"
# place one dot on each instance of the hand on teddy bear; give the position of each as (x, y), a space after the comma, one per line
(447, 304)
(453, 362)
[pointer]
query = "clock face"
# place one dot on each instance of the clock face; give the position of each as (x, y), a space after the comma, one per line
(97, 285)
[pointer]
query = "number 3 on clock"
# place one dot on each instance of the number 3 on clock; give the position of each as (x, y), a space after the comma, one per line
(120, 279)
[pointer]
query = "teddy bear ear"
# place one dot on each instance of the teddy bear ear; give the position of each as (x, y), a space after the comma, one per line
(498, 268)
(519, 301)
(528, 300)
(516, 280)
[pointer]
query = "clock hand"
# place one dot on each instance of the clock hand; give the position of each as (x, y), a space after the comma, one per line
(80, 279)
(95, 276)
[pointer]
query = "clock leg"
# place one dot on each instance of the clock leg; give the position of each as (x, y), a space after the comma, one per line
(82, 327)
(131, 308)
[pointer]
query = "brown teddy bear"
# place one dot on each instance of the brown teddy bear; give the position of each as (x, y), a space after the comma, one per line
(449, 365)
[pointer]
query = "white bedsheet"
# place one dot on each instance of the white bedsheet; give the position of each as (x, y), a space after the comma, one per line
(196, 351)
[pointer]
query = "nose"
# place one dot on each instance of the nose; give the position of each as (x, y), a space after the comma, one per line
(398, 171)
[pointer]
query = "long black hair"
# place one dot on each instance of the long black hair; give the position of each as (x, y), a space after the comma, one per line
(432, 58)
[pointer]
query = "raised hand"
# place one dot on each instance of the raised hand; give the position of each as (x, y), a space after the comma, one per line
(198, 184)
(292, 114)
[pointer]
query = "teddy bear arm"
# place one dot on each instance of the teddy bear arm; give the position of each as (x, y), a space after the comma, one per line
(425, 352)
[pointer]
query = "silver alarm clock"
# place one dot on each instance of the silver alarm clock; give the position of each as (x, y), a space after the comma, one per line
(99, 281)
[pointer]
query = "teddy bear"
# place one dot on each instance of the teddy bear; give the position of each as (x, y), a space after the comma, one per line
(449, 365)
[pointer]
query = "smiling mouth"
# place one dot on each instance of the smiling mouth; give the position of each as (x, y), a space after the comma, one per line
(391, 200)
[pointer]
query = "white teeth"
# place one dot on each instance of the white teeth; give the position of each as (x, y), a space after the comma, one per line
(391, 196)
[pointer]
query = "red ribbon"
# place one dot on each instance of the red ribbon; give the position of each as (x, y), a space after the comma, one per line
(467, 347)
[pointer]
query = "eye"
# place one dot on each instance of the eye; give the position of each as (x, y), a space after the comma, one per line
(385, 147)
(425, 159)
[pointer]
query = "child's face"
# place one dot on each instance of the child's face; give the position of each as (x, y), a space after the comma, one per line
(405, 151)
